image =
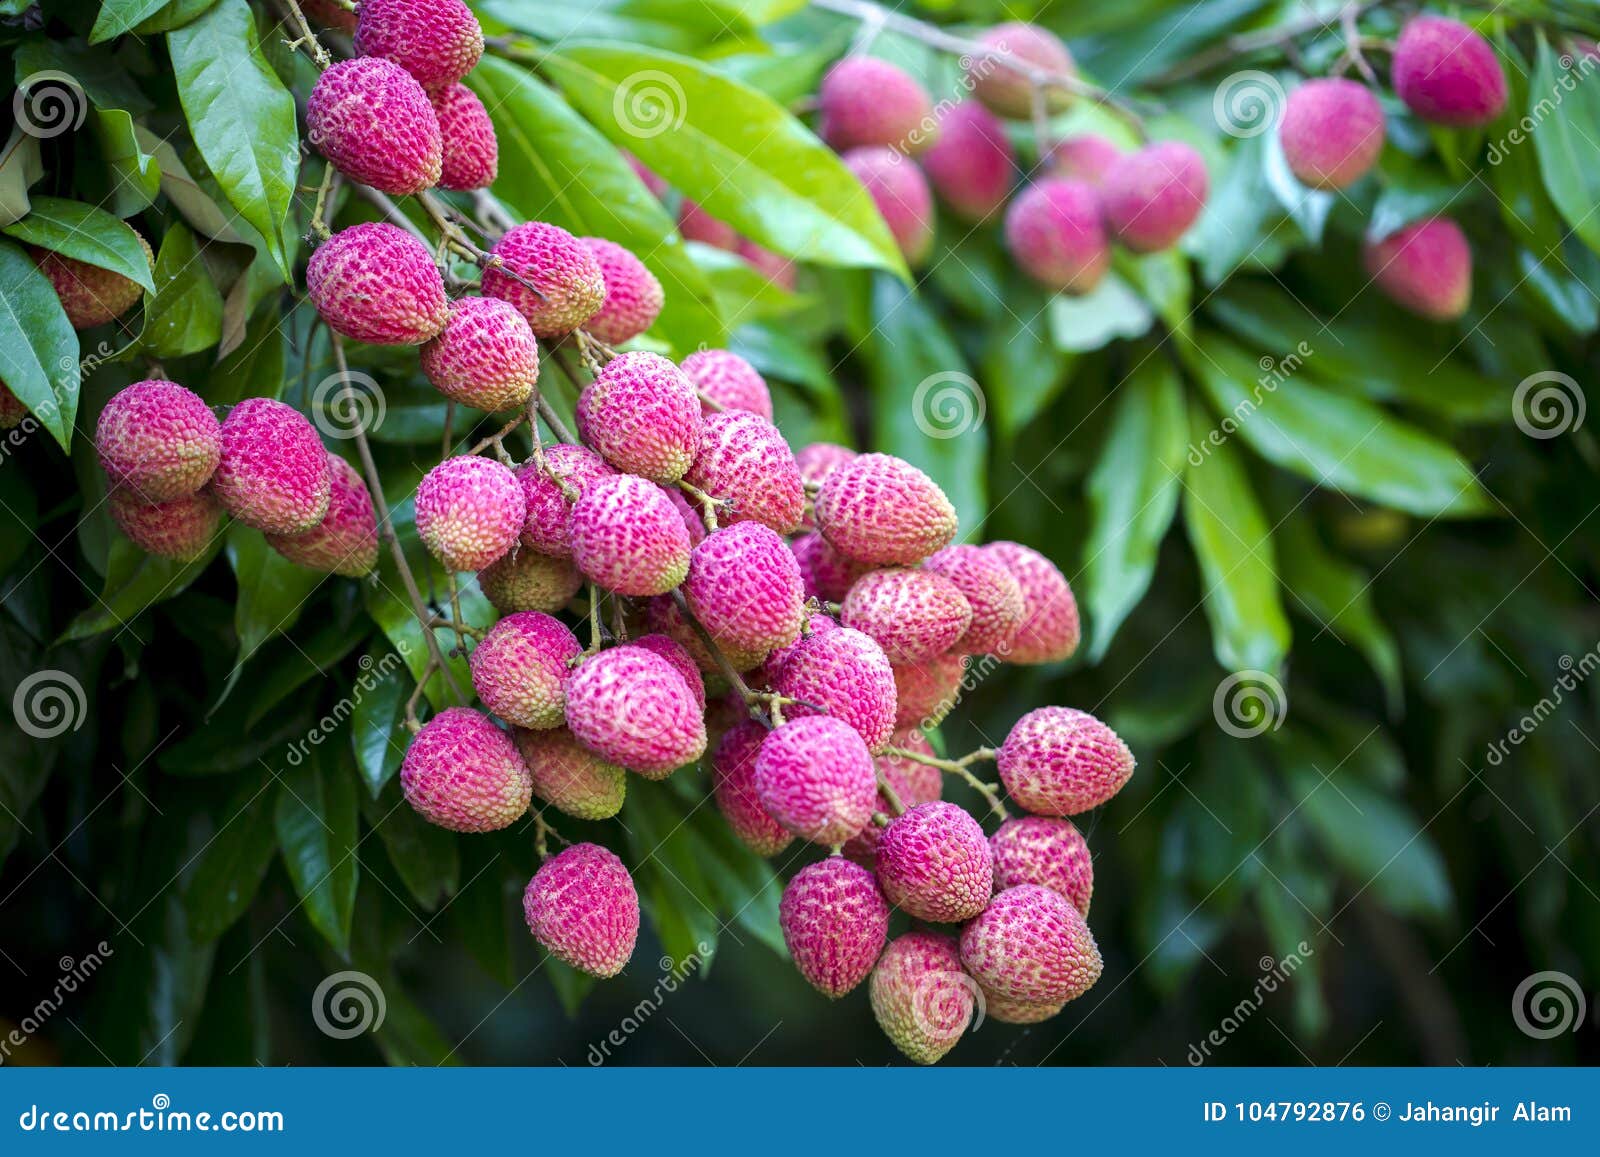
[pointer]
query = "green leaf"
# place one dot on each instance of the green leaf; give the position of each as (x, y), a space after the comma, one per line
(744, 158)
(38, 348)
(176, 14)
(240, 115)
(376, 731)
(135, 175)
(135, 581)
(1133, 494)
(230, 871)
(118, 17)
(1233, 545)
(272, 590)
(20, 167)
(1095, 319)
(1564, 137)
(744, 294)
(196, 205)
(1025, 369)
(424, 854)
(185, 316)
(86, 233)
(317, 832)
(672, 885)
(1333, 440)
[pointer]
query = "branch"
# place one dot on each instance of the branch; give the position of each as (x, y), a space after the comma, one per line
(1248, 42)
(958, 767)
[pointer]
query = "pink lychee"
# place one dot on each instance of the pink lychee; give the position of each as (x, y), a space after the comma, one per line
(631, 707)
(1447, 73)
(1049, 630)
(463, 773)
(744, 588)
(912, 614)
(525, 580)
(901, 194)
(564, 271)
(1425, 267)
(1059, 761)
(470, 510)
(1085, 157)
(835, 922)
(1044, 851)
(628, 537)
(743, 459)
(90, 295)
(992, 592)
(1054, 234)
(816, 461)
(776, 268)
(866, 101)
(922, 999)
(373, 122)
(1152, 196)
(1332, 132)
(729, 381)
(641, 415)
(880, 510)
(377, 283)
(158, 440)
(814, 776)
(470, 153)
(928, 690)
(972, 165)
(695, 224)
(826, 573)
(1008, 90)
(273, 473)
(436, 41)
(913, 783)
(682, 662)
(520, 669)
(345, 542)
(1004, 1010)
(1031, 944)
(633, 295)
(582, 906)
(934, 863)
(846, 675)
(815, 623)
(570, 777)
(733, 769)
(486, 356)
(182, 528)
(567, 468)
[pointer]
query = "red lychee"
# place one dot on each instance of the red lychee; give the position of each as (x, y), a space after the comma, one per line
(1044, 851)
(1426, 267)
(744, 588)
(881, 510)
(345, 542)
(1058, 761)
(567, 468)
(1085, 157)
(1007, 89)
(628, 537)
(928, 690)
(633, 295)
(89, 295)
(972, 165)
(1447, 73)
(992, 592)
(835, 922)
(641, 414)
(469, 151)
(373, 122)
(569, 776)
(520, 669)
(865, 101)
(733, 769)
(564, 271)
(158, 440)
(1332, 132)
(485, 358)
(1049, 631)
(1054, 234)
(743, 458)
(846, 675)
(463, 773)
(934, 862)
(826, 573)
(632, 708)
(1031, 944)
(582, 906)
(436, 41)
(729, 381)
(901, 194)
(273, 473)
(814, 776)
(182, 529)
(470, 510)
(1152, 196)
(912, 614)
(377, 283)
(921, 998)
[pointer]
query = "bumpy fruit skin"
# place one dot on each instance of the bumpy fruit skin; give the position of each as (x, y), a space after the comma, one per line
(1005, 89)
(373, 122)
(463, 773)
(549, 511)
(865, 101)
(1426, 267)
(927, 691)
(900, 191)
(569, 777)
(835, 922)
(743, 458)
(847, 675)
(486, 356)
(1050, 629)
(525, 580)
(1048, 852)
(181, 528)
(826, 573)
(816, 461)
(273, 474)
(1030, 944)
(1085, 157)
(520, 669)
(1007, 1011)
(972, 164)
(628, 537)
(12, 411)
(777, 269)
(881, 510)
(345, 542)
(744, 587)
(158, 440)
(935, 864)
(1152, 196)
(470, 511)
(376, 283)
(1054, 234)
(682, 662)
(728, 380)
(1059, 761)
(1447, 73)
(436, 41)
(641, 415)
(633, 295)
(733, 769)
(912, 782)
(992, 592)
(816, 622)
(632, 708)
(556, 263)
(1332, 132)
(913, 614)
(470, 153)
(582, 906)
(814, 776)
(922, 999)
(90, 295)
(697, 225)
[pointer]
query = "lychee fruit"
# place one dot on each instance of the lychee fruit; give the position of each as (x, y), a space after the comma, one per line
(631, 707)
(570, 777)
(633, 295)
(1085, 157)
(1331, 132)
(913, 783)
(743, 459)
(733, 770)
(816, 622)
(470, 511)
(744, 588)
(1044, 851)
(814, 776)
(816, 461)
(901, 194)
(1054, 234)
(865, 101)
(1004, 1010)
(520, 669)
(972, 165)
(469, 151)
(182, 528)
(525, 580)
(729, 381)
(835, 922)
(921, 998)
(436, 41)
(486, 356)
(89, 295)
(463, 773)
(1008, 90)
(1031, 944)
(826, 573)
(912, 614)
(377, 283)
(1049, 630)
(582, 906)
(695, 224)
(641, 415)
(881, 510)
(567, 468)
(934, 863)
(992, 592)
(1059, 761)
(561, 268)
(373, 122)
(776, 268)
(682, 662)
(273, 473)
(928, 690)
(1447, 73)
(158, 440)
(1151, 197)
(844, 674)
(628, 537)
(1425, 267)
(345, 542)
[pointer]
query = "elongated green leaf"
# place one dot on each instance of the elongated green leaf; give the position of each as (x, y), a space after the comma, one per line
(20, 167)
(272, 590)
(135, 175)
(317, 832)
(240, 115)
(1566, 119)
(745, 159)
(38, 348)
(1110, 311)
(234, 863)
(122, 16)
(425, 855)
(135, 581)
(672, 885)
(86, 233)
(185, 316)
(375, 723)
(1133, 494)
(1025, 369)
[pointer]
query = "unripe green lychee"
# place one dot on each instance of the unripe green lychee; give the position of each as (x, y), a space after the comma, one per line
(901, 194)
(992, 592)
(628, 537)
(1044, 851)
(567, 468)
(814, 776)
(158, 440)
(525, 580)
(571, 288)
(845, 674)
(486, 356)
(182, 528)
(1425, 267)
(1006, 89)
(1054, 234)
(463, 773)
(470, 511)
(912, 614)
(1031, 944)
(733, 769)
(641, 415)
(376, 283)
(632, 708)
(927, 690)
(469, 152)
(570, 777)
(273, 473)
(1050, 630)
(743, 458)
(89, 295)
(373, 122)
(835, 922)
(1059, 761)
(633, 295)
(934, 863)
(1332, 132)
(744, 588)
(881, 510)
(1447, 73)
(1152, 196)
(582, 906)
(972, 165)
(520, 669)
(345, 542)
(864, 100)
(922, 999)
(726, 379)
(436, 41)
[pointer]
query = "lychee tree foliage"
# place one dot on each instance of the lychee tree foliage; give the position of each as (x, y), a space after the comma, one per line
(291, 298)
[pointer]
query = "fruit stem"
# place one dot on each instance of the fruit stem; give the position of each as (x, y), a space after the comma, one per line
(318, 54)
(1228, 51)
(596, 638)
(708, 505)
(413, 724)
(958, 767)
(890, 794)
(392, 212)
(459, 243)
(709, 402)
(494, 439)
(319, 224)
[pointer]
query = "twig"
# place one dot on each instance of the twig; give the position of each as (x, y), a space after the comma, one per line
(319, 55)
(709, 505)
(958, 767)
(1249, 42)
(889, 793)
(754, 700)
(319, 224)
